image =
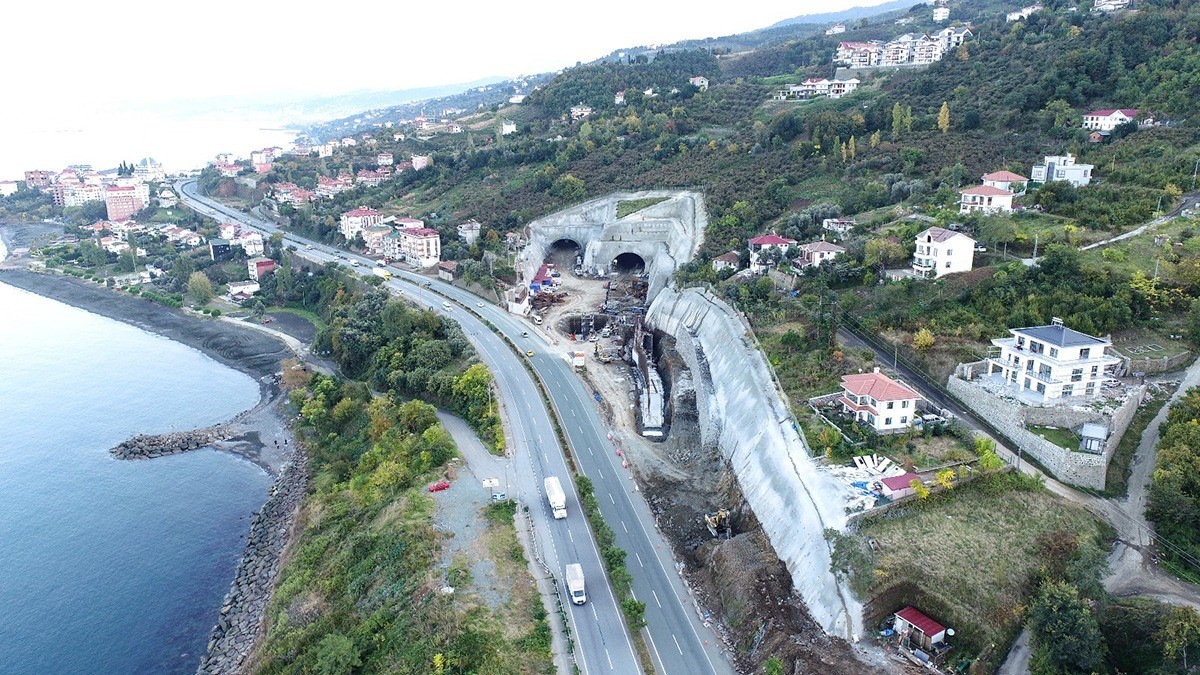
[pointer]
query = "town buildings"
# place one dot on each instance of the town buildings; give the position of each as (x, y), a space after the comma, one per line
(8, 187)
(700, 82)
(385, 159)
(768, 250)
(814, 253)
(1023, 13)
(122, 201)
(1051, 362)
(469, 231)
(878, 401)
(940, 252)
(38, 179)
(985, 199)
(836, 29)
(420, 246)
(1006, 180)
(1061, 167)
(421, 161)
(259, 267)
(329, 187)
(1109, 5)
(941, 14)
(508, 127)
(838, 226)
(727, 261)
(373, 238)
(355, 221)
(1107, 120)
(907, 49)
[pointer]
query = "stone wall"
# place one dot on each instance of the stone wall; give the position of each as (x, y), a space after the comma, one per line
(161, 445)
(1068, 465)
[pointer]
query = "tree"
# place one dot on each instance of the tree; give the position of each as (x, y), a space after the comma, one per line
(259, 309)
(1180, 632)
(1066, 635)
(923, 340)
(335, 655)
(200, 288)
(919, 488)
(773, 666)
(945, 478)
(943, 122)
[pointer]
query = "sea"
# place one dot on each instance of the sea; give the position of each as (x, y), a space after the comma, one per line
(110, 566)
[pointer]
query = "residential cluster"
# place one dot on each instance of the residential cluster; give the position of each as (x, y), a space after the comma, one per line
(399, 239)
(386, 169)
(123, 194)
(818, 87)
(908, 49)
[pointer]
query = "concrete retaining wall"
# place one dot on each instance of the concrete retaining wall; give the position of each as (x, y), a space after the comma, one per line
(742, 414)
(1068, 465)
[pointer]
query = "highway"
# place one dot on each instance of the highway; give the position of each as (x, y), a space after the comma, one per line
(678, 639)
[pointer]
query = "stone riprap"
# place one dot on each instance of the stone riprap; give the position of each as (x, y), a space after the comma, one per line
(175, 442)
(233, 638)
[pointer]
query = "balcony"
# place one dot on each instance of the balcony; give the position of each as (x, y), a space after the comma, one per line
(924, 264)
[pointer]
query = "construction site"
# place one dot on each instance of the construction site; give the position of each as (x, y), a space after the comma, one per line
(592, 295)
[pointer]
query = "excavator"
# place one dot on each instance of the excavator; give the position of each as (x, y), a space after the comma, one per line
(719, 524)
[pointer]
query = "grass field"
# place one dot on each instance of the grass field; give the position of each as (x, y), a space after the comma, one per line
(1141, 252)
(628, 206)
(1142, 343)
(1063, 438)
(968, 557)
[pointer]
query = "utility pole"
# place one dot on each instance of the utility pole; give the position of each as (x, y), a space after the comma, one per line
(1194, 169)
(1156, 268)
(1035, 245)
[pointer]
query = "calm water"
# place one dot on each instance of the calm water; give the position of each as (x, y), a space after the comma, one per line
(109, 566)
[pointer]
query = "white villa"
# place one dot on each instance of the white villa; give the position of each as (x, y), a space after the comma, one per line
(1006, 180)
(353, 222)
(1107, 120)
(986, 199)
(879, 401)
(1062, 167)
(761, 247)
(941, 252)
(1047, 363)
(814, 253)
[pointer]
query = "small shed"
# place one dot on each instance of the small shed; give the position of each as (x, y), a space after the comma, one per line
(447, 270)
(896, 487)
(1093, 435)
(921, 631)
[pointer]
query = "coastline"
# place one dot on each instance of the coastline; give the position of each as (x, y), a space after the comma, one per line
(261, 435)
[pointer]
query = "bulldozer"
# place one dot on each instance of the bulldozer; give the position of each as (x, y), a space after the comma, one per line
(718, 524)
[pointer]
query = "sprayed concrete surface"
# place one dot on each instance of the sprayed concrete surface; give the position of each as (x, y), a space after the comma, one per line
(740, 410)
(665, 235)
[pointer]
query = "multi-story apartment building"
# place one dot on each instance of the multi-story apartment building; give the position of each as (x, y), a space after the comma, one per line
(1061, 167)
(940, 252)
(1051, 362)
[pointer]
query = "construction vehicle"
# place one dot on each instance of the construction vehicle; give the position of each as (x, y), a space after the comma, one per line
(382, 273)
(556, 497)
(718, 524)
(575, 586)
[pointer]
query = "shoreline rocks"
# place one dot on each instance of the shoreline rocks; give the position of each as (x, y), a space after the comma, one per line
(237, 629)
(171, 443)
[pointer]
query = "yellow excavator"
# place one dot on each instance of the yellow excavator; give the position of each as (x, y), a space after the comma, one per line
(718, 524)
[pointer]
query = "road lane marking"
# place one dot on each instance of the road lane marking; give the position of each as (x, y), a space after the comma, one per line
(610, 498)
(656, 598)
(635, 554)
(610, 665)
(677, 644)
(624, 528)
(656, 654)
(601, 474)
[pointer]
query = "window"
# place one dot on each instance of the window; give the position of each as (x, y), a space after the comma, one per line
(1085, 352)
(947, 264)
(1095, 371)
(1054, 352)
(1077, 375)
(904, 420)
(891, 404)
(904, 404)
(1020, 342)
(949, 252)
(887, 422)
(1041, 388)
(1068, 390)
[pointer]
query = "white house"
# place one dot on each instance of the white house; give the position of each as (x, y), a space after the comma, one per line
(858, 54)
(761, 251)
(1109, 5)
(838, 226)
(1051, 362)
(836, 29)
(1006, 180)
(1107, 120)
(940, 252)
(508, 127)
(941, 14)
(469, 231)
(986, 199)
(700, 82)
(952, 37)
(879, 401)
(839, 88)
(814, 253)
(373, 238)
(355, 221)
(580, 111)
(726, 261)
(1023, 13)
(919, 630)
(814, 86)
(1061, 167)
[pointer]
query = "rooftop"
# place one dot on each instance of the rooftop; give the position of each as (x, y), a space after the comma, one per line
(771, 239)
(940, 234)
(878, 386)
(1059, 335)
(1128, 112)
(986, 190)
(900, 482)
(1005, 177)
(919, 621)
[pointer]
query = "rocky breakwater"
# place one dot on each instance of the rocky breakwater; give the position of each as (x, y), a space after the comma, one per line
(233, 637)
(161, 445)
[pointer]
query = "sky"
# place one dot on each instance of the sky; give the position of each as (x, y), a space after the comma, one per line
(106, 69)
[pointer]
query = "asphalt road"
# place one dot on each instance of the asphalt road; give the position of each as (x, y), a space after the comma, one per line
(678, 639)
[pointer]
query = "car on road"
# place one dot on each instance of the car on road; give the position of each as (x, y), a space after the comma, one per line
(479, 304)
(438, 486)
(528, 352)
(308, 247)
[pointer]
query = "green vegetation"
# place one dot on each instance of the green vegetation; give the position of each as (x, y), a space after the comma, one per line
(360, 589)
(1063, 438)
(614, 556)
(628, 206)
(973, 556)
(1173, 498)
(1116, 482)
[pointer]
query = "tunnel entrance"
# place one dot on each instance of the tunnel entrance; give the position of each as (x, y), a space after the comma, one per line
(565, 253)
(628, 263)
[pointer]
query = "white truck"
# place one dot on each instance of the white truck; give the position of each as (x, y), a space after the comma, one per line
(575, 585)
(556, 497)
(382, 273)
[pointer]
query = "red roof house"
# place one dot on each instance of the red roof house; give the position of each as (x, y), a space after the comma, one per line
(879, 401)
(921, 631)
(895, 487)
